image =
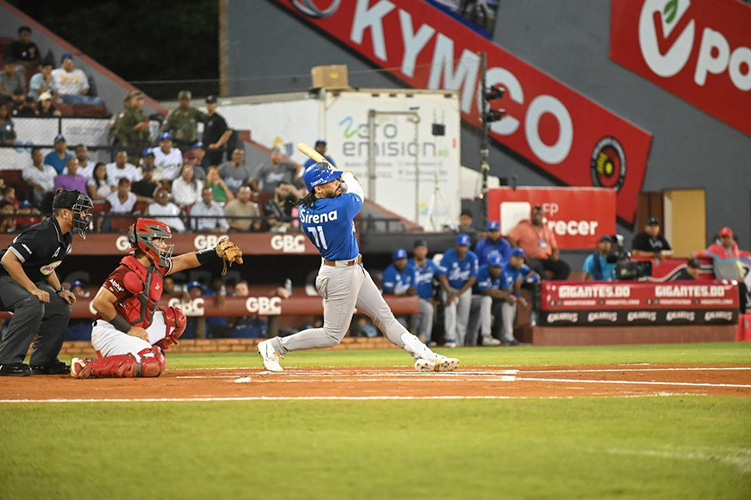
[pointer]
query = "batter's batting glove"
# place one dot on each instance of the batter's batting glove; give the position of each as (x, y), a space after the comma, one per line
(229, 253)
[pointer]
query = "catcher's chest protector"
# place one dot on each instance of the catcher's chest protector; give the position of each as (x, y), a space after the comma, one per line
(145, 285)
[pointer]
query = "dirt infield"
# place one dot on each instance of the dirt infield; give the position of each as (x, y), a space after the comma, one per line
(389, 383)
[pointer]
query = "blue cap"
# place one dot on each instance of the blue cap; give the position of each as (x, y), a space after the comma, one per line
(59, 137)
(65, 56)
(164, 135)
(318, 174)
(24, 204)
(463, 240)
(148, 152)
(495, 260)
(399, 253)
(494, 225)
(605, 237)
(320, 141)
(77, 283)
(195, 284)
(518, 252)
(198, 145)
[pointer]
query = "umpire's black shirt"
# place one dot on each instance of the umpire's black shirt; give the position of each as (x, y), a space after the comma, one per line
(40, 248)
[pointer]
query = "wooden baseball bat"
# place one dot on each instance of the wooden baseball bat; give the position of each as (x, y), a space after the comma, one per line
(312, 153)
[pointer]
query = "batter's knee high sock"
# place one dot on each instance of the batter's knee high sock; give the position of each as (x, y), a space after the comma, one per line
(417, 349)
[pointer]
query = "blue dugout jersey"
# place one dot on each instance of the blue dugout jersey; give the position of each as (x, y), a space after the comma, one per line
(425, 273)
(458, 271)
(397, 282)
(485, 247)
(485, 281)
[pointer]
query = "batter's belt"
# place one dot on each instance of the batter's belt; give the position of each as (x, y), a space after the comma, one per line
(343, 263)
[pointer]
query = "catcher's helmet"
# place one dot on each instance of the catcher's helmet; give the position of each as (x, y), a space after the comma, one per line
(318, 174)
(142, 234)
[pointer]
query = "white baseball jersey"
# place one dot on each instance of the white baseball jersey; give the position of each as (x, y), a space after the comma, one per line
(167, 164)
(129, 171)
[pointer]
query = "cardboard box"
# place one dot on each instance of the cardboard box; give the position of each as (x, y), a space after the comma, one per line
(330, 77)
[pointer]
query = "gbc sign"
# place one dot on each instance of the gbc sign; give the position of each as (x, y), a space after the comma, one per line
(288, 243)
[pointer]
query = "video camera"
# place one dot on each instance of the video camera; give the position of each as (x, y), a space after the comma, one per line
(627, 269)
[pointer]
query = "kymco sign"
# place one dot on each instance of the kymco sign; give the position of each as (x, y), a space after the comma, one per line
(699, 50)
(561, 131)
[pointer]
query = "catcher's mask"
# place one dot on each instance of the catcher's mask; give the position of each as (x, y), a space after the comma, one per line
(142, 234)
(79, 204)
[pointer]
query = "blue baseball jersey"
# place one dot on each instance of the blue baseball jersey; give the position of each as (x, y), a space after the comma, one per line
(396, 281)
(329, 224)
(486, 247)
(524, 272)
(458, 271)
(485, 281)
(425, 273)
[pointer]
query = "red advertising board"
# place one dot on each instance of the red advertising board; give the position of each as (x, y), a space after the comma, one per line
(567, 135)
(698, 50)
(577, 216)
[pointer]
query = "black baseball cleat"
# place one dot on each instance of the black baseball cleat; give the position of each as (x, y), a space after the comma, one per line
(55, 368)
(15, 370)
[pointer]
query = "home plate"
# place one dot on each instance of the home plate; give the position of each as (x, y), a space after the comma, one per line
(243, 380)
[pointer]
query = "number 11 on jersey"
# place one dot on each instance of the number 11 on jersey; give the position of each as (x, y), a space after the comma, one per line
(318, 238)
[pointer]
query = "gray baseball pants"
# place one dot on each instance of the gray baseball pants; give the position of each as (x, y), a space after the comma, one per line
(32, 318)
(422, 322)
(456, 317)
(481, 317)
(508, 317)
(343, 289)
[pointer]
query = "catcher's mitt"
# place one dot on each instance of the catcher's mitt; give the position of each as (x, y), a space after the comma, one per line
(229, 253)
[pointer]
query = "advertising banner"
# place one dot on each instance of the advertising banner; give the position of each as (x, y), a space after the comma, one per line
(698, 50)
(563, 133)
(577, 216)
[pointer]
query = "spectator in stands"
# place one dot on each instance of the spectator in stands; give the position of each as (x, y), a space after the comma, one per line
(71, 179)
(121, 168)
(73, 84)
(26, 109)
(492, 243)
(199, 149)
(235, 173)
(320, 146)
(518, 274)
(458, 276)
(650, 243)
(45, 106)
(426, 271)
(243, 207)
(99, 187)
(167, 159)
(7, 132)
(189, 158)
(27, 215)
(596, 265)
(275, 170)
(58, 158)
(7, 217)
(146, 185)
(725, 248)
(186, 189)
(9, 194)
(221, 192)
(182, 122)
(727, 265)
(131, 127)
(491, 291)
(278, 210)
(164, 210)
(39, 176)
(12, 84)
(689, 273)
(208, 215)
(85, 167)
(399, 279)
(24, 50)
(540, 245)
(43, 82)
(467, 227)
(216, 133)
(245, 326)
(122, 201)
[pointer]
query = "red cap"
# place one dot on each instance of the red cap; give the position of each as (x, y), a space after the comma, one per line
(726, 231)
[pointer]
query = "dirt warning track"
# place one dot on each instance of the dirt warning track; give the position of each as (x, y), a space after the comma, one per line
(388, 383)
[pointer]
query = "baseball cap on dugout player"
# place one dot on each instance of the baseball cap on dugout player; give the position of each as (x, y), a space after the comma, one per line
(318, 174)
(398, 254)
(493, 225)
(463, 240)
(495, 260)
(518, 252)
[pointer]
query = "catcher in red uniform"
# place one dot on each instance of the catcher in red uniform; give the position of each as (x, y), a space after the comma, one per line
(126, 304)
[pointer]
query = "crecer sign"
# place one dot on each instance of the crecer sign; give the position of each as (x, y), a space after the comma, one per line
(562, 132)
(577, 216)
(698, 50)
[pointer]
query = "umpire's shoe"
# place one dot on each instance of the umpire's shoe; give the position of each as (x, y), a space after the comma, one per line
(15, 370)
(55, 368)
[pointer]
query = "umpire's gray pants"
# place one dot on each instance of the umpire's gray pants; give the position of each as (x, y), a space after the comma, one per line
(422, 322)
(456, 317)
(509, 316)
(32, 318)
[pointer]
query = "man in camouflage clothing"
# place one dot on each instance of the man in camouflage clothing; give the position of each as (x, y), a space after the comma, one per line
(182, 122)
(131, 127)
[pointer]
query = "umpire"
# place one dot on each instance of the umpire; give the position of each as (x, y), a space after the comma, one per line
(30, 288)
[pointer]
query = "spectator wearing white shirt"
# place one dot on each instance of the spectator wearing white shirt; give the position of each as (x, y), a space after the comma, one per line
(99, 186)
(186, 189)
(122, 201)
(210, 214)
(39, 176)
(121, 168)
(72, 84)
(167, 159)
(165, 211)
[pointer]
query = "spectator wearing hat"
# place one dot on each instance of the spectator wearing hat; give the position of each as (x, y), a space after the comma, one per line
(399, 279)
(186, 189)
(458, 276)
(144, 187)
(167, 159)
(182, 122)
(492, 289)
(492, 243)
(426, 273)
(121, 168)
(276, 169)
(45, 106)
(7, 132)
(24, 50)
(190, 159)
(208, 215)
(725, 248)
(466, 226)
(727, 265)
(12, 84)
(518, 274)
(58, 158)
(71, 180)
(650, 243)
(243, 207)
(540, 245)
(216, 133)
(131, 127)
(162, 209)
(596, 265)
(99, 187)
(688, 273)
(236, 173)
(320, 146)
(43, 82)
(39, 176)
(72, 83)
(79, 328)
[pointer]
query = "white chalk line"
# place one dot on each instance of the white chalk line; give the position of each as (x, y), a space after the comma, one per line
(737, 458)
(632, 382)
(673, 369)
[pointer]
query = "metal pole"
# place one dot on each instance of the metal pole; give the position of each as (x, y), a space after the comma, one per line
(484, 141)
(417, 169)
(371, 154)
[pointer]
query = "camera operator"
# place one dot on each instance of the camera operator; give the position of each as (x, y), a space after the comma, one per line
(600, 265)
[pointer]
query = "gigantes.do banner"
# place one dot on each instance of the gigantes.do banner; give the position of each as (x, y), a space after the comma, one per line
(698, 50)
(562, 132)
(577, 216)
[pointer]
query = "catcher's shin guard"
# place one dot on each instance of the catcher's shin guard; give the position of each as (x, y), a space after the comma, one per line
(122, 365)
(152, 362)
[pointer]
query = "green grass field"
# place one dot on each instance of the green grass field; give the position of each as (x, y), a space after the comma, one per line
(644, 447)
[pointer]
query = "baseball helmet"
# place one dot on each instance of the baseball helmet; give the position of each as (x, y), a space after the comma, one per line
(141, 237)
(79, 204)
(318, 174)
